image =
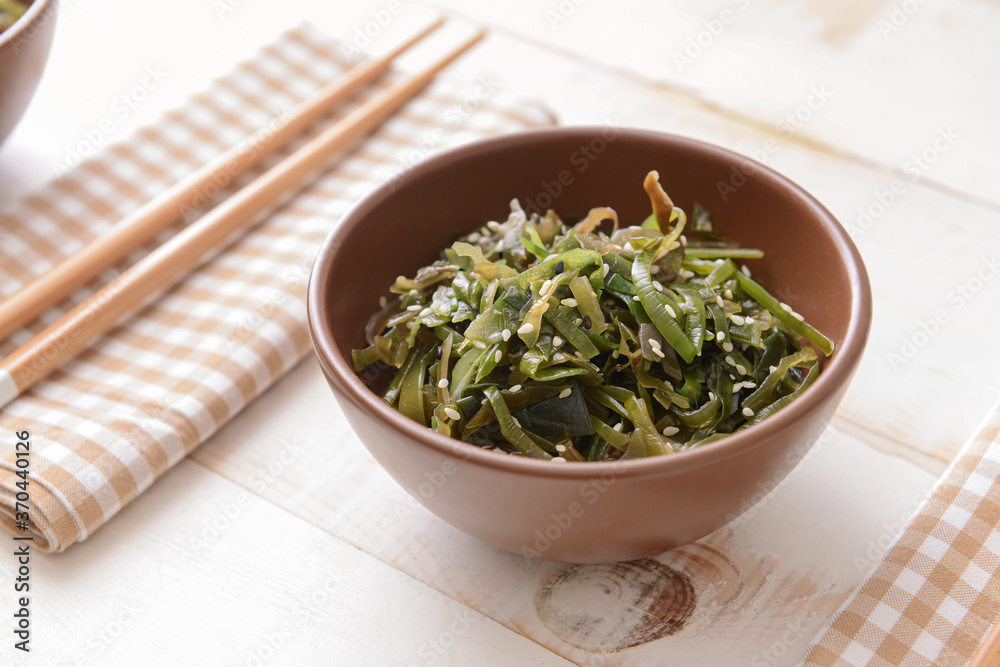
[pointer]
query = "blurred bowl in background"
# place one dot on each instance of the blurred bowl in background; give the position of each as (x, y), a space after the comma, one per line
(24, 48)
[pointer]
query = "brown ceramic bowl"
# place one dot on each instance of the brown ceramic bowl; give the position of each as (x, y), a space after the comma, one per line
(588, 512)
(24, 48)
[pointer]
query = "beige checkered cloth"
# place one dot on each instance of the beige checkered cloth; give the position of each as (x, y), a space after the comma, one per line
(935, 594)
(107, 424)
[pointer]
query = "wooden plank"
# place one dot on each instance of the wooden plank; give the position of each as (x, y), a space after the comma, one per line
(203, 572)
(781, 571)
(895, 73)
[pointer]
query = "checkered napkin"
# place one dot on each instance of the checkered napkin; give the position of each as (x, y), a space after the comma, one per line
(935, 595)
(110, 422)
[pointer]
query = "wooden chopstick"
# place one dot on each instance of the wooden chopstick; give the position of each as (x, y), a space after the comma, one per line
(160, 268)
(989, 652)
(143, 224)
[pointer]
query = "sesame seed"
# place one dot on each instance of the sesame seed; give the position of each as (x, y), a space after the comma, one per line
(453, 413)
(560, 266)
(718, 301)
(684, 273)
(628, 247)
(499, 246)
(657, 285)
(670, 310)
(474, 237)
(740, 369)
(746, 270)
(730, 360)
(439, 352)
(409, 325)
(748, 319)
(605, 269)
(497, 357)
(557, 341)
(727, 346)
(560, 448)
(635, 298)
(526, 328)
(558, 459)
(711, 395)
(684, 240)
(565, 393)
(654, 343)
(737, 387)
(505, 334)
(750, 385)
(654, 269)
(482, 402)
(569, 302)
(618, 427)
(382, 301)
(587, 323)
(579, 355)
(728, 294)
(414, 308)
(773, 368)
(671, 430)
(493, 225)
(721, 335)
(798, 317)
(786, 307)
(747, 412)
(658, 352)
(516, 422)
(516, 388)
(737, 319)
(414, 292)
(546, 287)
(480, 344)
(443, 383)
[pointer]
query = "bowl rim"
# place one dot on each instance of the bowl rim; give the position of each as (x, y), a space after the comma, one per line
(36, 9)
(836, 374)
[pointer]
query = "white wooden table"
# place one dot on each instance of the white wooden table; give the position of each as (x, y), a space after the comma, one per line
(281, 542)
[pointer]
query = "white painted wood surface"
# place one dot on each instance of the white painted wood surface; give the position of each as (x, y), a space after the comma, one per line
(315, 514)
